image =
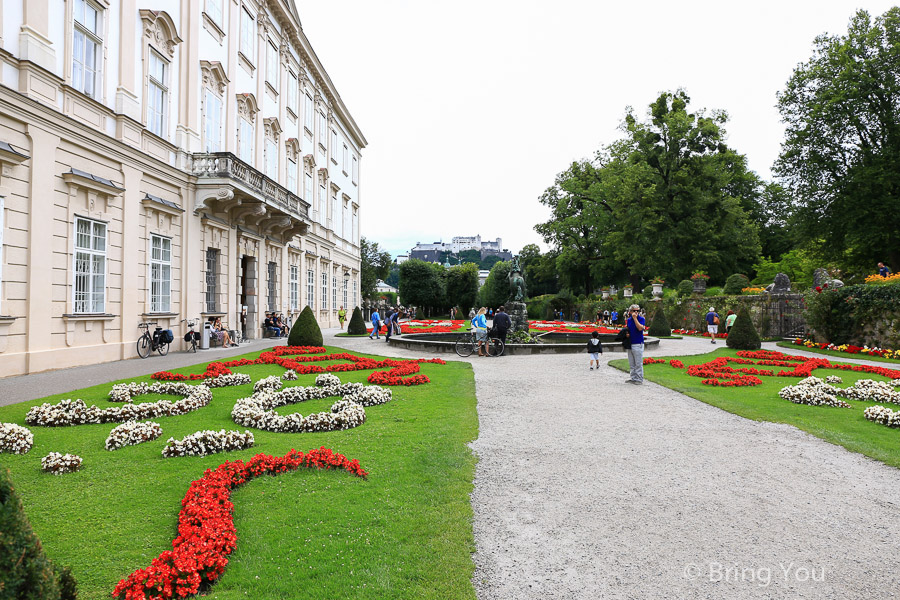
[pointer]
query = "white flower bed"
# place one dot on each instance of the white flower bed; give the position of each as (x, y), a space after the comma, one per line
(259, 410)
(228, 380)
(132, 433)
(883, 415)
(290, 375)
(208, 442)
(15, 438)
(870, 390)
(272, 382)
(813, 391)
(58, 464)
(76, 412)
(833, 379)
(327, 379)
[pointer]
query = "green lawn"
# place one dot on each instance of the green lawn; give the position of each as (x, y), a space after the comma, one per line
(836, 354)
(405, 532)
(846, 427)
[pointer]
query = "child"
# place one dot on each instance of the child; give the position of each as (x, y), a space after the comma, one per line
(595, 348)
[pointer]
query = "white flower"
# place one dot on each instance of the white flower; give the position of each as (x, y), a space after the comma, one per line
(227, 380)
(15, 438)
(273, 382)
(813, 391)
(870, 390)
(206, 442)
(132, 433)
(58, 464)
(327, 379)
(883, 415)
(290, 375)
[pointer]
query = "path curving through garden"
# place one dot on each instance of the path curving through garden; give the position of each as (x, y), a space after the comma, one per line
(590, 488)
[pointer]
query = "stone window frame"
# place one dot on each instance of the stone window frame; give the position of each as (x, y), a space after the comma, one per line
(247, 110)
(311, 287)
(91, 252)
(247, 55)
(294, 286)
(292, 153)
(160, 36)
(102, 7)
(272, 129)
(150, 263)
(214, 80)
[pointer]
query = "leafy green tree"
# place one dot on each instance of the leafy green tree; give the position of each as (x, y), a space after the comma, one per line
(495, 290)
(423, 284)
(462, 285)
(470, 256)
(841, 154)
(393, 278)
(375, 264)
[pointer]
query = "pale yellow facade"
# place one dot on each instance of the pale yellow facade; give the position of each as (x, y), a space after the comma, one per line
(180, 159)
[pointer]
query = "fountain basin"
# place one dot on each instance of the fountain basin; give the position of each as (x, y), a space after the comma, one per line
(553, 343)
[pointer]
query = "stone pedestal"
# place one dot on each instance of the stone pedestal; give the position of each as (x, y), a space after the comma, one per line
(628, 292)
(699, 286)
(518, 315)
(657, 290)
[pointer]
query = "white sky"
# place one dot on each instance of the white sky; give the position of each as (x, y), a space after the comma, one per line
(472, 108)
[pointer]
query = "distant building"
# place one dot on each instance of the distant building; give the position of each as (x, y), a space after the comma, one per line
(381, 287)
(435, 251)
(482, 277)
(402, 258)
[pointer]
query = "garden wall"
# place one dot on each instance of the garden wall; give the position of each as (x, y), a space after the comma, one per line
(862, 315)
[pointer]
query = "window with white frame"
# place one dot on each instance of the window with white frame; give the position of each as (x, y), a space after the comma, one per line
(213, 121)
(311, 288)
(272, 65)
(345, 293)
(345, 216)
(334, 146)
(87, 48)
(90, 266)
(248, 35)
(308, 113)
(334, 303)
(212, 279)
(160, 273)
(355, 170)
(295, 287)
(335, 215)
(324, 290)
(214, 11)
(323, 204)
(272, 282)
(355, 297)
(322, 133)
(355, 238)
(158, 94)
(272, 158)
(246, 141)
(292, 176)
(308, 191)
(345, 163)
(292, 92)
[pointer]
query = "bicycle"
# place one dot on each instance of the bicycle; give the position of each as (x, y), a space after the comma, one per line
(466, 345)
(194, 335)
(147, 343)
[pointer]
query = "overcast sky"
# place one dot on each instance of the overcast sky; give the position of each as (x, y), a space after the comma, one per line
(472, 108)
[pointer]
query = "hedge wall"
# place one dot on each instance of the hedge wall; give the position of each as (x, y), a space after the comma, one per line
(856, 314)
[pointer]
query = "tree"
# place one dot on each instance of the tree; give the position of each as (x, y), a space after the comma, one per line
(305, 330)
(462, 285)
(489, 261)
(393, 278)
(495, 290)
(841, 154)
(375, 264)
(423, 284)
(743, 335)
(356, 326)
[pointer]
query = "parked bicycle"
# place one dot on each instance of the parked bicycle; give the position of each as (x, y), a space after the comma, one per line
(147, 343)
(466, 344)
(191, 337)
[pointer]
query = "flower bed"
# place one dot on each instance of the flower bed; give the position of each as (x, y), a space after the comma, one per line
(567, 327)
(15, 438)
(401, 372)
(883, 415)
(424, 326)
(850, 349)
(132, 433)
(815, 392)
(58, 464)
(697, 332)
(203, 443)
(76, 412)
(206, 532)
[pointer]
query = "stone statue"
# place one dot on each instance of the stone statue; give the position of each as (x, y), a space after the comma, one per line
(516, 282)
(822, 279)
(781, 285)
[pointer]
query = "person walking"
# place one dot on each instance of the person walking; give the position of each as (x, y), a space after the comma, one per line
(389, 324)
(636, 326)
(712, 323)
(614, 317)
(342, 316)
(480, 325)
(502, 323)
(729, 320)
(883, 270)
(575, 316)
(606, 320)
(376, 324)
(595, 349)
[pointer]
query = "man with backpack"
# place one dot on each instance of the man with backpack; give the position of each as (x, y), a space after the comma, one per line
(712, 323)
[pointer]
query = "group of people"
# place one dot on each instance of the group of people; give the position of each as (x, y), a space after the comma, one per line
(501, 324)
(391, 322)
(605, 317)
(222, 333)
(712, 322)
(275, 324)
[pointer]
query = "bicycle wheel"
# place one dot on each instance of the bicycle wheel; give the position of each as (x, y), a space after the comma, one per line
(496, 347)
(464, 347)
(163, 348)
(193, 343)
(143, 346)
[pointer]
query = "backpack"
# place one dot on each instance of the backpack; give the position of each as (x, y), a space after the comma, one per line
(624, 336)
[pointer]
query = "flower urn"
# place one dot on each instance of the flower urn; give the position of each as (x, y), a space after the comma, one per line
(605, 294)
(628, 291)
(657, 290)
(699, 285)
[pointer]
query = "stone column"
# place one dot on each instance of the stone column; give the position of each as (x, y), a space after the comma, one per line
(35, 44)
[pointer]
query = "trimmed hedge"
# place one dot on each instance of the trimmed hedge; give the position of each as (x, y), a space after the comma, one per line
(685, 288)
(305, 331)
(735, 283)
(27, 574)
(856, 314)
(659, 326)
(356, 326)
(743, 335)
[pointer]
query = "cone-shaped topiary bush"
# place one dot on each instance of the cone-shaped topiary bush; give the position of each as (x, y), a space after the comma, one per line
(735, 283)
(356, 326)
(27, 573)
(743, 335)
(305, 331)
(659, 326)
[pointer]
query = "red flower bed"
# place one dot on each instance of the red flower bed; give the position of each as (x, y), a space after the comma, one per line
(676, 363)
(206, 532)
(401, 372)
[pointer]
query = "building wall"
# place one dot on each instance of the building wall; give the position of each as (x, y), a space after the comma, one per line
(70, 153)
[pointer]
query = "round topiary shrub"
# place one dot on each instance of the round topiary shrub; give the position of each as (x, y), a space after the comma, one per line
(685, 288)
(647, 292)
(735, 283)
(743, 335)
(357, 325)
(305, 331)
(659, 325)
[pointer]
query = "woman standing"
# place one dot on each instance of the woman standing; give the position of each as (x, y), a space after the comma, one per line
(480, 325)
(342, 316)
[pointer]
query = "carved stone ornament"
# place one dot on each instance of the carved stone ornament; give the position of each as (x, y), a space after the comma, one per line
(292, 145)
(160, 29)
(272, 127)
(247, 106)
(214, 76)
(263, 23)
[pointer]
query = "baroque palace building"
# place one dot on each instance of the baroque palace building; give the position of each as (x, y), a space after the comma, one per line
(166, 160)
